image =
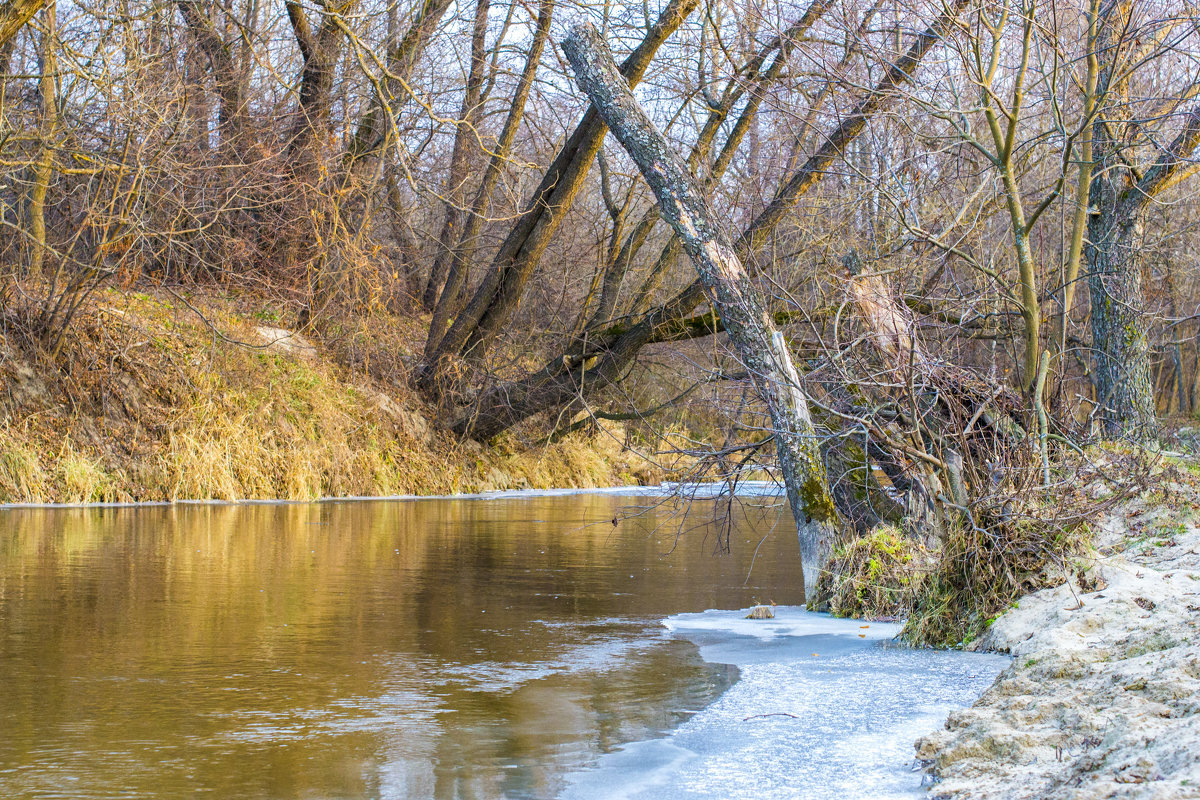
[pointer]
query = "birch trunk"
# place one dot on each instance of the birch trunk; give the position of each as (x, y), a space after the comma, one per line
(727, 283)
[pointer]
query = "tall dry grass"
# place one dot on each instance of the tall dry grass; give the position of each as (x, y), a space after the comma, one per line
(160, 408)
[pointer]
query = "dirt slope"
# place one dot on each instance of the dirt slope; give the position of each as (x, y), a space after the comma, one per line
(1102, 699)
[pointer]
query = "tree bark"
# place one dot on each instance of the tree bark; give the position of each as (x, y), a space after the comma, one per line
(464, 136)
(495, 299)
(1121, 348)
(751, 330)
(1119, 197)
(14, 14)
(601, 359)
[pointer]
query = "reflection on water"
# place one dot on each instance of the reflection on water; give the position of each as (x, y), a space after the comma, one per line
(473, 649)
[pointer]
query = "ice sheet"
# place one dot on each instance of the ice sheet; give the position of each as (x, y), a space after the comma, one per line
(825, 708)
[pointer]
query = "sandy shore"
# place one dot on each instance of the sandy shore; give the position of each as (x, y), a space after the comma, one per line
(1102, 698)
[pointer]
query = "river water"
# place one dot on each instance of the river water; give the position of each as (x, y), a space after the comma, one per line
(519, 647)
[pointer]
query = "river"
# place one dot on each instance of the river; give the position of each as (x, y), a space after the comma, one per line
(513, 647)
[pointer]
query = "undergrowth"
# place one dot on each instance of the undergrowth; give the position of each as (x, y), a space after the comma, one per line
(160, 397)
(997, 554)
(1004, 546)
(878, 576)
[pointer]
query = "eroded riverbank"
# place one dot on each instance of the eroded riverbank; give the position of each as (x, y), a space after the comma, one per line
(1102, 699)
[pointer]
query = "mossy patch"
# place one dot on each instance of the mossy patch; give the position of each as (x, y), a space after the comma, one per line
(876, 576)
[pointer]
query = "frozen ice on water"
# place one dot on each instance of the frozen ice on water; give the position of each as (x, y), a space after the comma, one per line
(788, 621)
(817, 713)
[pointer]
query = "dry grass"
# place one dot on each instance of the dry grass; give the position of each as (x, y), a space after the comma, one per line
(982, 570)
(161, 397)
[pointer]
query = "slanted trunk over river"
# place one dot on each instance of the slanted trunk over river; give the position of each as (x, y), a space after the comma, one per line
(733, 294)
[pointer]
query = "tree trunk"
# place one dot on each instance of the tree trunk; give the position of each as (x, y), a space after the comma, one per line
(755, 84)
(759, 345)
(1121, 349)
(460, 265)
(320, 50)
(497, 297)
(43, 168)
(605, 357)
(1119, 196)
(227, 77)
(14, 14)
(464, 137)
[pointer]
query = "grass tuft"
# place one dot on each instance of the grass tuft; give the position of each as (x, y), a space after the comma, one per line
(22, 478)
(878, 576)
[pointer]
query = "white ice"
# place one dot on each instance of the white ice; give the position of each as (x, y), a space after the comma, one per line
(825, 708)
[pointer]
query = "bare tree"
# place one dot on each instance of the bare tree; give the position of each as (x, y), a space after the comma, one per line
(760, 346)
(600, 360)
(493, 302)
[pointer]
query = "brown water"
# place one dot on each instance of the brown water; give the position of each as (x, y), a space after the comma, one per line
(440, 648)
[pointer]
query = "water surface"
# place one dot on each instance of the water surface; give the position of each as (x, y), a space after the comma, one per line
(447, 648)
(515, 647)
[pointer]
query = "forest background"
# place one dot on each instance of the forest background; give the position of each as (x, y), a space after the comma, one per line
(304, 249)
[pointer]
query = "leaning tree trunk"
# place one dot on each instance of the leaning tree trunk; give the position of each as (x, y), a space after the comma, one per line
(464, 139)
(751, 330)
(497, 296)
(460, 264)
(13, 16)
(583, 372)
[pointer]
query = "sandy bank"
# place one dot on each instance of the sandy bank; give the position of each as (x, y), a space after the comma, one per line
(1102, 698)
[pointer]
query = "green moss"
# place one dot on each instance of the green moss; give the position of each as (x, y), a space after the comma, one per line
(878, 575)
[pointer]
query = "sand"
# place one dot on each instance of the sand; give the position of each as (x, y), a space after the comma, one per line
(1102, 698)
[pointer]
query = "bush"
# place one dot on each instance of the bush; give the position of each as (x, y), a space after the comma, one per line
(876, 576)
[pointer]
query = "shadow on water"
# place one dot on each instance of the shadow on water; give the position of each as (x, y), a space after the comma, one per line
(447, 648)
